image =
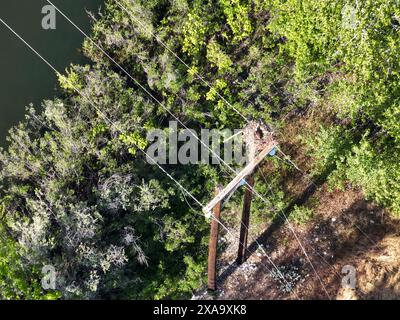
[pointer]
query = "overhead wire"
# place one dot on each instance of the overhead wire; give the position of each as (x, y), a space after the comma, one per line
(149, 157)
(159, 102)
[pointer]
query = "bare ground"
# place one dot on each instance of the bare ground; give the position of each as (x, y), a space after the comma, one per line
(347, 231)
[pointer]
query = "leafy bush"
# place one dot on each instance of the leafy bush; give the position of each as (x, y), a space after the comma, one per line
(301, 214)
(16, 280)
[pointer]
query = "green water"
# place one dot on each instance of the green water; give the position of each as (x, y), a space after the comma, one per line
(24, 78)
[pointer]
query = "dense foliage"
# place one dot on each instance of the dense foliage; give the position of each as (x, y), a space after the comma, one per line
(76, 193)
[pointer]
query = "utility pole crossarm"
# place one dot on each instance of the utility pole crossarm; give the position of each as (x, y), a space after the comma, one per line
(241, 175)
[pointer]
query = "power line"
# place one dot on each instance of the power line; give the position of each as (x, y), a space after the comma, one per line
(161, 168)
(219, 95)
(205, 82)
(202, 142)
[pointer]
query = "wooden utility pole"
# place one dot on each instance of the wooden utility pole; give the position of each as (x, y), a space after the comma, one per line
(212, 246)
(241, 175)
(244, 227)
(260, 142)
